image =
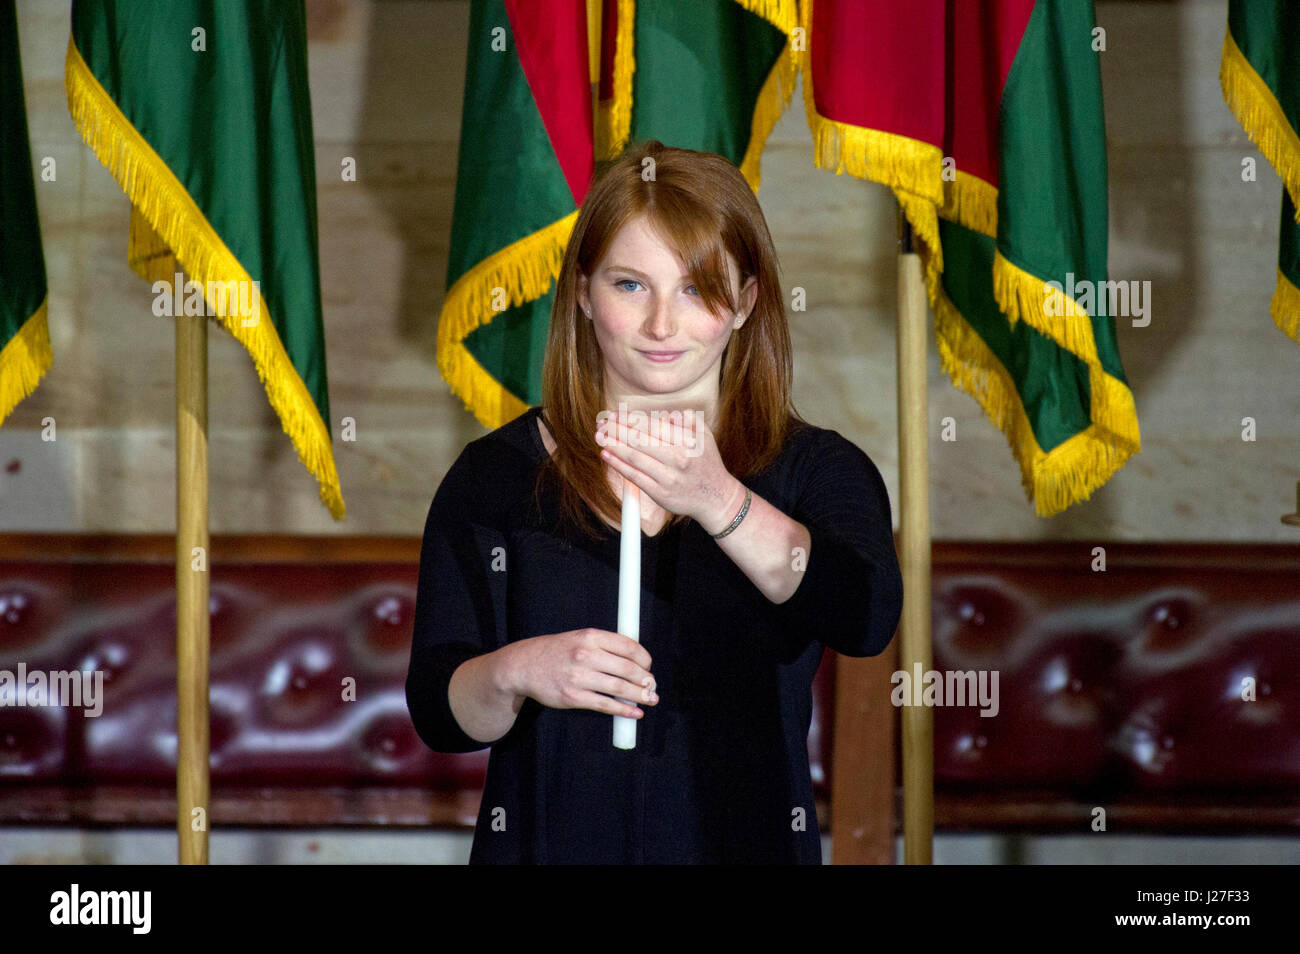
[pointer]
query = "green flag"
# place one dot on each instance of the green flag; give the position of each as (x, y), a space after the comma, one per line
(24, 336)
(1260, 76)
(201, 111)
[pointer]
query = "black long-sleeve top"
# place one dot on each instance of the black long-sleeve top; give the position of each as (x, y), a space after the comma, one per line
(720, 770)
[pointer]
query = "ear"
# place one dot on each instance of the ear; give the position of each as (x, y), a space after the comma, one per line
(584, 299)
(748, 295)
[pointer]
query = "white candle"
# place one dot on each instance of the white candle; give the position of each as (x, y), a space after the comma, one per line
(629, 594)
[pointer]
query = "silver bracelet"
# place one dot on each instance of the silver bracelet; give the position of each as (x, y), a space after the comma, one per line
(739, 517)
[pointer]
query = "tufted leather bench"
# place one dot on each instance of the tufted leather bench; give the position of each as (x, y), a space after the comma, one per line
(1119, 689)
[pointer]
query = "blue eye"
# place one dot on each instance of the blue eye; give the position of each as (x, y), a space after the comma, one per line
(632, 281)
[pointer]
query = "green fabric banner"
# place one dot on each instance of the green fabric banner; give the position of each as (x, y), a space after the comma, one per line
(202, 112)
(24, 335)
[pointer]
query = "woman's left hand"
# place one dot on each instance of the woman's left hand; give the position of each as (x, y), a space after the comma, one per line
(678, 467)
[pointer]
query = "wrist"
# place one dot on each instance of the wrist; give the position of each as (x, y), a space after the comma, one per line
(732, 500)
(504, 674)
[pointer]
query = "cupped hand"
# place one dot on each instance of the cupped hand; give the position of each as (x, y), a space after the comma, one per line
(678, 467)
(584, 669)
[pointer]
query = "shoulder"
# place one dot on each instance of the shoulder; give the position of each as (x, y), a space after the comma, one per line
(809, 447)
(814, 460)
(492, 470)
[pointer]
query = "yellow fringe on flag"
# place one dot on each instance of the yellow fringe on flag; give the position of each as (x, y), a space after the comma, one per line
(782, 14)
(778, 88)
(1022, 295)
(594, 34)
(1285, 308)
(147, 254)
(1261, 116)
(1060, 317)
(911, 168)
(1071, 471)
(613, 117)
(971, 202)
(896, 161)
(176, 219)
(24, 360)
(525, 269)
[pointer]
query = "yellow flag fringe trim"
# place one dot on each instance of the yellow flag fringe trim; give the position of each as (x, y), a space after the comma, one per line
(173, 214)
(1261, 116)
(595, 31)
(24, 360)
(1285, 307)
(525, 269)
(911, 168)
(613, 119)
(1070, 472)
(1022, 295)
(148, 255)
(782, 14)
(1060, 317)
(971, 202)
(896, 161)
(778, 88)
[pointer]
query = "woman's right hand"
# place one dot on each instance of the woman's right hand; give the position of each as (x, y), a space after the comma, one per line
(583, 669)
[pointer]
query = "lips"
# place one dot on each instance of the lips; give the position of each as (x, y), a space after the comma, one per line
(662, 356)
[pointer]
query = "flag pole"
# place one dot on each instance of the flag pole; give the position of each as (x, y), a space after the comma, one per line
(192, 587)
(914, 544)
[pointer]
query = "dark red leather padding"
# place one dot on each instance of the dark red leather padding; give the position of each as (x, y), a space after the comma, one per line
(1123, 681)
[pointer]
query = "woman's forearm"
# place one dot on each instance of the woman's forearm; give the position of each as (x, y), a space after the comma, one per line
(769, 547)
(482, 696)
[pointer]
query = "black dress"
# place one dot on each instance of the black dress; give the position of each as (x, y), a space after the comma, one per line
(720, 770)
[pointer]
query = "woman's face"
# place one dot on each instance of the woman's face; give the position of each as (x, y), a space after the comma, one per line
(655, 332)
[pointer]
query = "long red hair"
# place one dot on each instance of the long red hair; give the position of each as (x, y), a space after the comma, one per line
(703, 208)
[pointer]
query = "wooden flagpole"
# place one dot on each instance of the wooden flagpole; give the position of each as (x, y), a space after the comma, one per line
(192, 558)
(914, 544)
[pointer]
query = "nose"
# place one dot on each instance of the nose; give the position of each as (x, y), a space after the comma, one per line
(660, 323)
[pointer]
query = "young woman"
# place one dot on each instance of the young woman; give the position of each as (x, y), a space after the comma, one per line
(765, 539)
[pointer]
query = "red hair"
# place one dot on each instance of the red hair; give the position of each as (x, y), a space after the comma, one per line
(704, 209)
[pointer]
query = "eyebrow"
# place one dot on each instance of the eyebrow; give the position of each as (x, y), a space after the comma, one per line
(631, 271)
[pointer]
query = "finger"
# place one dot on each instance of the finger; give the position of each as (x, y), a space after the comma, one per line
(637, 466)
(658, 435)
(586, 699)
(622, 645)
(663, 431)
(644, 451)
(621, 689)
(625, 669)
